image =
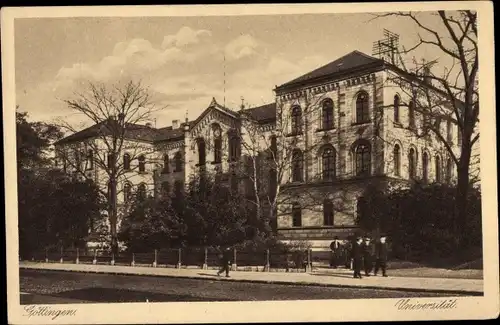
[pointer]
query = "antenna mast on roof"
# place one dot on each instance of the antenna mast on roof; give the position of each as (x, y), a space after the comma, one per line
(224, 103)
(387, 48)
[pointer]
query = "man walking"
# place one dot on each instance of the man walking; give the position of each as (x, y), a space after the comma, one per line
(367, 256)
(381, 255)
(226, 261)
(334, 247)
(357, 257)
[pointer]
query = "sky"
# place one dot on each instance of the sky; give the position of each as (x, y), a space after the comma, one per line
(181, 59)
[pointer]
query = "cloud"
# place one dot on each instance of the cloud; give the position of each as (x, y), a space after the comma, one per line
(242, 46)
(185, 36)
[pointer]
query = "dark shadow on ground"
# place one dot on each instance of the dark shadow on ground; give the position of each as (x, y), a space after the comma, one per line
(333, 274)
(107, 295)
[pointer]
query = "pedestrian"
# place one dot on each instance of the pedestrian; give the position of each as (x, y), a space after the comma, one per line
(357, 257)
(381, 254)
(225, 262)
(335, 248)
(368, 254)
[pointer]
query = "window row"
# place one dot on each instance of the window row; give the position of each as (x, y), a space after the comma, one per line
(328, 162)
(412, 165)
(178, 163)
(328, 213)
(234, 150)
(362, 113)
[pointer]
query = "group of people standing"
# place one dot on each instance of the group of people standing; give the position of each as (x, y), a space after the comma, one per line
(363, 254)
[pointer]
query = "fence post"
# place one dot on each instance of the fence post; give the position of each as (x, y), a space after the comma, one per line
(46, 255)
(308, 266)
(133, 260)
(267, 268)
(94, 261)
(205, 261)
(234, 265)
(112, 258)
(155, 261)
(179, 259)
(77, 256)
(61, 260)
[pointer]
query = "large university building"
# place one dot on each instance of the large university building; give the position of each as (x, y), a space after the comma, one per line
(307, 157)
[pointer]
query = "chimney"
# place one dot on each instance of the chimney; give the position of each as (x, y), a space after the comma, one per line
(148, 124)
(175, 124)
(426, 75)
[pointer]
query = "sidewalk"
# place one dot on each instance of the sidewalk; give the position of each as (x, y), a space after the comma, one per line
(340, 278)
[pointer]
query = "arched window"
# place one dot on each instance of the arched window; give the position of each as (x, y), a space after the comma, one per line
(297, 166)
(438, 169)
(273, 182)
(425, 167)
(449, 134)
(111, 160)
(449, 171)
(234, 146)
(274, 148)
(397, 160)
(166, 164)
(396, 108)
(141, 192)
(127, 192)
(142, 163)
(296, 215)
(411, 114)
(90, 159)
(201, 152)
(412, 164)
(362, 112)
(296, 120)
(327, 114)
(217, 143)
(328, 212)
(328, 163)
(363, 159)
(126, 161)
(178, 161)
(165, 189)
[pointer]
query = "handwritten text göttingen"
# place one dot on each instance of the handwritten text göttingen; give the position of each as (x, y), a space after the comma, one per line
(44, 311)
(409, 304)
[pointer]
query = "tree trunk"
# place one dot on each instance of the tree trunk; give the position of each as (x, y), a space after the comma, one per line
(113, 216)
(462, 196)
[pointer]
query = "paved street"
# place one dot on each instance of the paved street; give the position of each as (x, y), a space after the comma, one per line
(51, 287)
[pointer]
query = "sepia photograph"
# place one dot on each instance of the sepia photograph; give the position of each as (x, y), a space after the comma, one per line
(239, 157)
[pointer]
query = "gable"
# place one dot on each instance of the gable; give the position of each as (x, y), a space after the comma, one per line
(214, 113)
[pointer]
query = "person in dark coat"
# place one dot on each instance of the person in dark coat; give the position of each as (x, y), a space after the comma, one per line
(225, 261)
(335, 248)
(357, 257)
(381, 253)
(368, 254)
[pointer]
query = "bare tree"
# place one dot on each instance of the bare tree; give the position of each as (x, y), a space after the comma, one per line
(450, 95)
(104, 153)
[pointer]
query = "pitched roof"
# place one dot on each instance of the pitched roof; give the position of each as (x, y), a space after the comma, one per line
(349, 62)
(264, 113)
(132, 131)
(168, 133)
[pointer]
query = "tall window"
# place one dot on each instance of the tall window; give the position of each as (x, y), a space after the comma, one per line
(362, 112)
(234, 182)
(449, 167)
(297, 166)
(412, 163)
(166, 164)
(90, 159)
(363, 159)
(274, 147)
(178, 187)
(126, 161)
(328, 212)
(217, 143)
(127, 192)
(201, 152)
(142, 163)
(328, 163)
(234, 146)
(296, 215)
(396, 108)
(178, 162)
(438, 169)
(327, 114)
(273, 182)
(111, 160)
(361, 206)
(449, 137)
(141, 191)
(425, 167)
(296, 120)
(411, 114)
(397, 160)
(165, 189)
